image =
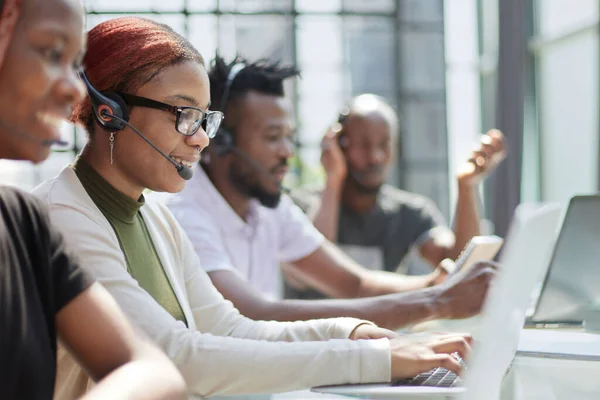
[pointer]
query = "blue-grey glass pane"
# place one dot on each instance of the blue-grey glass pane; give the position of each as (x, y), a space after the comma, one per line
(567, 84)
(203, 35)
(422, 61)
(201, 5)
(556, 17)
(421, 10)
(430, 180)
(318, 5)
(319, 105)
(312, 48)
(423, 130)
(370, 45)
(11, 171)
(26, 176)
(322, 89)
(366, 6)
(255, 5)
(488, 101)
(94, 19)
(175, 21)
(18, 173)
(51, 167)
(66, 135)
(488, 32)
(135, 5)
(81, 137)
(257, 36)
(310, 169)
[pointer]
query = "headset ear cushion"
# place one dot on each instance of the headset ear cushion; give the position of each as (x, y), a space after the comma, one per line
(123, 111)
(114, 104)
(222, 143)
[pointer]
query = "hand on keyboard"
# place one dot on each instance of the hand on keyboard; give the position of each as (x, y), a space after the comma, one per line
(412, 355)
(438, 377)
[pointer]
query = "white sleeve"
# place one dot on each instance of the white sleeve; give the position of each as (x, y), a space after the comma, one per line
(215, 365)
(206, 237)
(201, 243)
(299, 237)
(214, 314)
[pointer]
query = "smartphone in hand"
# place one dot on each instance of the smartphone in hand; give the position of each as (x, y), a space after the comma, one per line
(479, 248)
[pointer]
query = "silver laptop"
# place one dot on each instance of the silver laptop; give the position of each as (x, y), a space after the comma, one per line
(569, 294)
(526, 253)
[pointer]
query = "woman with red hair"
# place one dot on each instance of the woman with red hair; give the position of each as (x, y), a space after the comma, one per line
(43, 292)
(150, 95)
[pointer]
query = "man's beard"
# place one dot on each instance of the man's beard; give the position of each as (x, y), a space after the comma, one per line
(249, 184)
(354, 178)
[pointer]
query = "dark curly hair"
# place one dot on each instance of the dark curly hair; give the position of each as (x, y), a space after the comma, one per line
(263, 76)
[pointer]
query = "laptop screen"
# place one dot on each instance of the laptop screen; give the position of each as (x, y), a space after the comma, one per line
(572, 282)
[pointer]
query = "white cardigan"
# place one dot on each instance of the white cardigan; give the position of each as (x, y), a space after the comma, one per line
(220, 351)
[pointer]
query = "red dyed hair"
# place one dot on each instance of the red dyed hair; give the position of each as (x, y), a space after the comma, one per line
(9, 14)
(125, 53)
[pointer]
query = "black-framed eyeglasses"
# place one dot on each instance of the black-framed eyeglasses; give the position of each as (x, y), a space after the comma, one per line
(189, 119)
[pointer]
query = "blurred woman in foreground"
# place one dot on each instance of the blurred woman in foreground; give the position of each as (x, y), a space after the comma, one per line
(43, 292)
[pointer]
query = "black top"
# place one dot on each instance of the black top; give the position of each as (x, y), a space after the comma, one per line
(38, 277)
(398, 221)
(381, 238)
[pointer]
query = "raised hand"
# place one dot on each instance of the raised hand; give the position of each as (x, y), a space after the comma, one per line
(462, 295)
(332, 157)
(484, 159)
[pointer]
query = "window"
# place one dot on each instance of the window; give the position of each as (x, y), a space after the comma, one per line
(393, 48)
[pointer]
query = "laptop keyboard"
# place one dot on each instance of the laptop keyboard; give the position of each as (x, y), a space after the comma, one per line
(438, 377)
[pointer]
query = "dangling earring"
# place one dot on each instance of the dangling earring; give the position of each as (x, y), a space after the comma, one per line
(112, 146)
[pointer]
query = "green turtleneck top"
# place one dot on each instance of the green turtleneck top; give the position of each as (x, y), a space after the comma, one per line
(123, 213)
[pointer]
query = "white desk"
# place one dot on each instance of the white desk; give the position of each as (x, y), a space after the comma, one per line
(534, 378)
(535, 375)
(545, 368)
(555, 365)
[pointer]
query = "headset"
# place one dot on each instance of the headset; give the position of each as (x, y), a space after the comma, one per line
(111, 112)
(342, 116)
(224, 143)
